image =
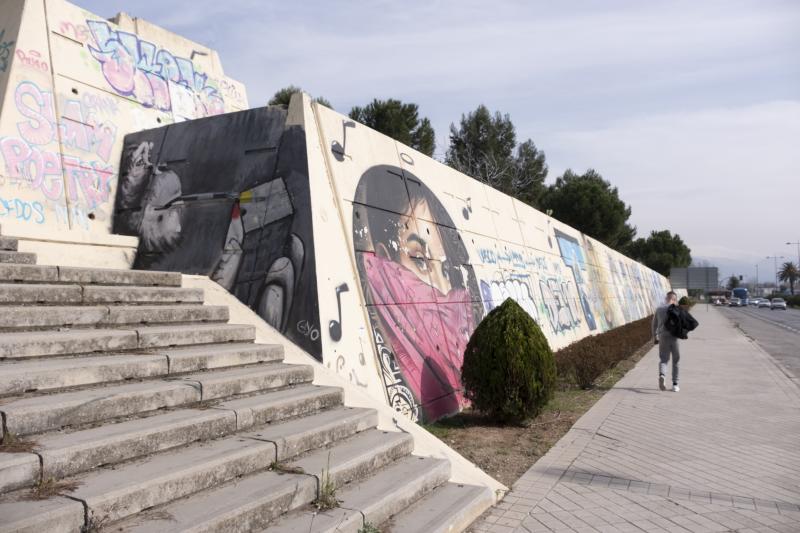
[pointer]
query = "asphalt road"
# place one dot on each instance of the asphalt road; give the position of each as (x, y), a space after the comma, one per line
(777, 332)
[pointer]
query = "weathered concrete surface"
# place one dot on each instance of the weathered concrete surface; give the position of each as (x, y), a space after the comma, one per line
(37, 414)
(296, 401)
(8, 243)
(18, 470)
(130, 294)
(30, 316)
(14, 293)
(69, 453)
(20, 345)
(20, 258)
(29, 273)
(356, 457)
(191, 358)
(112, 494)
(178, 335)
(111, 276)
(297, 436)
(235, 381)
(451, 507)
(248, 504)
(159, 314)
(55, 515)
(719, 455)
(374, 499)
(46, 374)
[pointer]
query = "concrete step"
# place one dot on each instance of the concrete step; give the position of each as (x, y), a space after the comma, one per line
(34, 317)
(450, 508)
(279, 405)
(18, 470)
(110, 294)
(23, 344)
(17, 377)
(18, 293)
(303, 434)
(113, 494)
(63, 454)
(112, 276)
(20, 258)
(227, 383)
(37, 414)
(49, 374)
(10, 272)
(54, 515)
(252, 502)
(8, 243)
(205, 357)
(356, 457)
(373, 500)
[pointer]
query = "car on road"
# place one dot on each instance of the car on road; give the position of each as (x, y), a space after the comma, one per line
(778, 303)
(734, 302)
(763, 302)
(754, 301)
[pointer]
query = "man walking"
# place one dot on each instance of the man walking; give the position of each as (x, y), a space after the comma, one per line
(667, 343)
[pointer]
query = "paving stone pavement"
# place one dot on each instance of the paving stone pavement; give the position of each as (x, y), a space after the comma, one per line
(723, 454)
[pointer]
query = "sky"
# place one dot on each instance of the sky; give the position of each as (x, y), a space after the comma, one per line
(691, 109)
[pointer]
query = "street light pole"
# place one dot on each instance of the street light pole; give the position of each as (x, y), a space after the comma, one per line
(775, 259)
(755, 289)
(798, 251)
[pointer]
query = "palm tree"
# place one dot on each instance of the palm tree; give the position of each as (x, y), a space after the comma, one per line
(789, 272)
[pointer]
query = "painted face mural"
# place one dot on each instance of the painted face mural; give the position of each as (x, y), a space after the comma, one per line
(422, 298)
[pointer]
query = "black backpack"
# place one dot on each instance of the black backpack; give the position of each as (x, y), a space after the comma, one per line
(679, 322)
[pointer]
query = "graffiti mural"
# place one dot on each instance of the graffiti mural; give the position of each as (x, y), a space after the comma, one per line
(153, 76)
(5, 51)
(415, 253)
(227, 197)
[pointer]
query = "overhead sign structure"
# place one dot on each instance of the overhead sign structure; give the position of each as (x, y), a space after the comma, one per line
(702, 278)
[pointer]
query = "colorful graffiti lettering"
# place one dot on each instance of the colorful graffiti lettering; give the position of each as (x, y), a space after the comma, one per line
(30, 160)
(5, 51)
(495, 293)
(32, 59)
(22, 210)
(77, 32)
(138, 69)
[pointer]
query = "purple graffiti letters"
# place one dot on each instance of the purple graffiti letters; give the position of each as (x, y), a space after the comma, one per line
(137, 68)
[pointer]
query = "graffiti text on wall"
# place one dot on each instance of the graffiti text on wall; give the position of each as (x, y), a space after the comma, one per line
(152, 76)
(33, 159)
(5, 51)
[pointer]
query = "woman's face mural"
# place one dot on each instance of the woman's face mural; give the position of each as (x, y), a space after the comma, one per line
(421, 294)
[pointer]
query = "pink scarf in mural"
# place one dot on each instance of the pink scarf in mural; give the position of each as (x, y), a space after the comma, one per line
(428, 337)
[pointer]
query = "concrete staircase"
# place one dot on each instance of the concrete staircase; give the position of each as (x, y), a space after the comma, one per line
(128, 405)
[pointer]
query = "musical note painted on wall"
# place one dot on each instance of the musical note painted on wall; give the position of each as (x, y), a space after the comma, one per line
(335, 326)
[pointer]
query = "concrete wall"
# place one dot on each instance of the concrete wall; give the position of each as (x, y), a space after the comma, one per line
(72, 85)
(377, 260)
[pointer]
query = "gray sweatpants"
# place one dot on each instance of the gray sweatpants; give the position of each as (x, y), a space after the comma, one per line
(668, 344)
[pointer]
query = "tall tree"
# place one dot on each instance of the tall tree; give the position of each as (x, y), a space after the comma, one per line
(733, 282)
(483, 146)
(661, 250)
(398, 120)
(790, 273)
(283, 96)
(590, 204)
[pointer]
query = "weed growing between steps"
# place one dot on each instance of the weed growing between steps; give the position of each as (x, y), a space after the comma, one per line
(49, 487)
(11, 443)
(327, 490)
(505, 452)
(285, 468)
(369, 528)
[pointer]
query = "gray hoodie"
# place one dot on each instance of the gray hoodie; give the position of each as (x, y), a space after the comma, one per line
(659, 320)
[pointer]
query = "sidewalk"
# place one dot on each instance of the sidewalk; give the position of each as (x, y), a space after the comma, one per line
(721, 455)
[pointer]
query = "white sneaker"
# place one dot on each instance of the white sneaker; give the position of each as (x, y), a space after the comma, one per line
(675, 388)
(661, 383)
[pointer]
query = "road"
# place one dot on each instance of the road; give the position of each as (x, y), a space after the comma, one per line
(777, 332)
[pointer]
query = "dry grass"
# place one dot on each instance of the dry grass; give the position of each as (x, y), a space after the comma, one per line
(14, 444)
(506, 452)
(50, 487)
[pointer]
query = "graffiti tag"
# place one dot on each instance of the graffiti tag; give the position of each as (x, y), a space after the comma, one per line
(32, 59)
(305, 328)
(5, 51)
(22, 210)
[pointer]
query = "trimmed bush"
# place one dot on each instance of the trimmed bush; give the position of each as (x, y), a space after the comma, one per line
(685, 301)
(509, 372)
(584, 361)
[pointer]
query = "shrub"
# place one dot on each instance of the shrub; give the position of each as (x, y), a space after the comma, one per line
(584, 361)
(685, 301)
(509, 372)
